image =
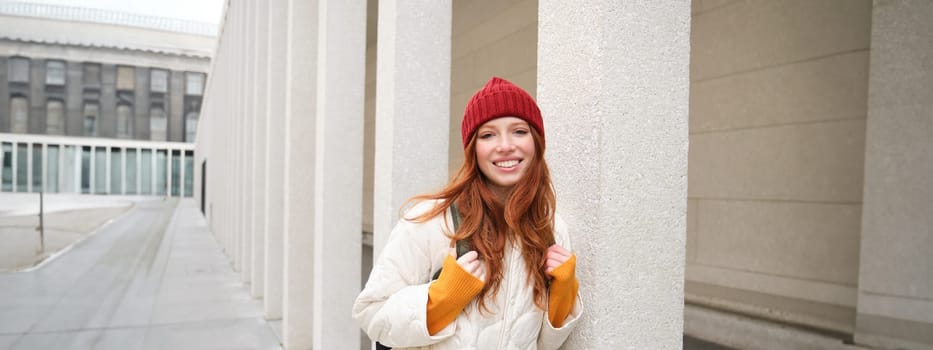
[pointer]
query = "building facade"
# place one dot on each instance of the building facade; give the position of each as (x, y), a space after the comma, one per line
(754, 173)
(80, 80)
(93, 99)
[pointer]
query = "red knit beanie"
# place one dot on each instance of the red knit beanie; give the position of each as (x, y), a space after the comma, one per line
(499, 98)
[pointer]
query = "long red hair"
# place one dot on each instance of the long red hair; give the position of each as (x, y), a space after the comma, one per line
(526, 218)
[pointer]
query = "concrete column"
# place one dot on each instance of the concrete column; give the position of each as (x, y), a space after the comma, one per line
(216, 90)
(412, 106)
(260, 118)
(275, 156)
(338, 167)
(227, 199)
(613, 82)
(895, 299)
(229, 147)
(238, 115)
(246, 206)
(300, 105)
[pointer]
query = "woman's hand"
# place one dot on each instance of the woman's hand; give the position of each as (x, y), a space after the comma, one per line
(554, 257)
(561, 265)
(470, 263)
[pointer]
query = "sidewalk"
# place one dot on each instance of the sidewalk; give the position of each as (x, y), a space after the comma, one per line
(155, 278)
(68, 219)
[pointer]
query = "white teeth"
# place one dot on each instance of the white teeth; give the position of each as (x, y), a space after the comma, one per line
(506, 164)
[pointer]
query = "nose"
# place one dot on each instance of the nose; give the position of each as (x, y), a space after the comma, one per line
(505, 145)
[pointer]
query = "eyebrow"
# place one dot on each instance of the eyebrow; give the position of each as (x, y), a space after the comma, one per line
(510, 125)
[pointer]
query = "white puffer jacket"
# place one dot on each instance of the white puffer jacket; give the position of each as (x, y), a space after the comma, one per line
(392, 308)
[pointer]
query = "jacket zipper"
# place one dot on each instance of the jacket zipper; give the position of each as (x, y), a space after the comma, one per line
(505, 311)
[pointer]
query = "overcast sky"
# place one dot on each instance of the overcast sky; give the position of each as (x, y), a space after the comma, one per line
(193, 10)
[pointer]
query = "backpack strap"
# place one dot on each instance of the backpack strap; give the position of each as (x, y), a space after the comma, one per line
(463, 245)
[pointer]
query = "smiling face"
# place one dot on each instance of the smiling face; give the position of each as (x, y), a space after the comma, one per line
(505, 149)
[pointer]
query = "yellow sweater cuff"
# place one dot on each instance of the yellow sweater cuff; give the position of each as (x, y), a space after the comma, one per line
(447, 296)
(563, 292)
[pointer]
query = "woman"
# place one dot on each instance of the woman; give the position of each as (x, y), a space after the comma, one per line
(516, 288)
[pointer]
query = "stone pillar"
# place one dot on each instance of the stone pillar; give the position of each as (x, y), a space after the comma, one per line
(218, 90)
(260, 118)
(613, 82)
(275, 156)
(300, 104)
(224, 198)
(230, 189)
(227, 199)
(895, 299)
(236, 217)
(412, 106)
(246, 154)
(338, 167)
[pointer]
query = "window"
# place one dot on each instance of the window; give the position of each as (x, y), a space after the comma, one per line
(158, 124)
(176, 174)
(18, 70)
(86, 169)
(55, 73)
(130, 171)
(91, 75)
(51, 168)
(194, 84)
(70, 171)
(160, 172)
(158, 81)
(145, 172)
(191, 126)
(55, 117)
(124, 125)
(126, 78)
(91, 111)
(19, 110)
(100, 170)
(116, 170)
(7, 173)
(22, 167)
(36, 167)
(189, 173)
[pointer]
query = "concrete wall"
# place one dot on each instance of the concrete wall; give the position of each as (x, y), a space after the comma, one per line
(778, 102)
(489, 37)
(895, 301)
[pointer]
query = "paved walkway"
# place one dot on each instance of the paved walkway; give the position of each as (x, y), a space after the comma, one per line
(153, 279)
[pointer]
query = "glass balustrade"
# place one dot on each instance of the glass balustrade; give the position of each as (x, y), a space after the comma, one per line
(34, 163)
